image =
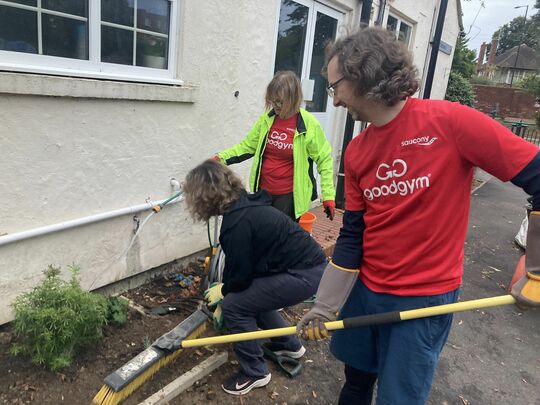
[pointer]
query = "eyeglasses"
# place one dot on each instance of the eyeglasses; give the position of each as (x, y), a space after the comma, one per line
(276, 103)
(331, 88)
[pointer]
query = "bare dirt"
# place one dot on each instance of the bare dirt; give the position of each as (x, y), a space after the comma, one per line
(23, 382)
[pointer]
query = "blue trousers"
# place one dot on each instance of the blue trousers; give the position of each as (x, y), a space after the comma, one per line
(256, 307)
(403, 356)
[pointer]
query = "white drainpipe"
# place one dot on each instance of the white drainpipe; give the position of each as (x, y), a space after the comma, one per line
(44, 230)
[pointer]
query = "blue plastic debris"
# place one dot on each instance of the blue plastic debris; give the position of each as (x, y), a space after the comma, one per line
(184, 281)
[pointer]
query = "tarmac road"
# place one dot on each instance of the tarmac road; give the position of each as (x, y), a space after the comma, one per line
(492, 356)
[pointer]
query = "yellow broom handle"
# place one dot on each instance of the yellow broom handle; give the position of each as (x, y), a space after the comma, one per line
(260, 334)
(457, 307)
(367, 320)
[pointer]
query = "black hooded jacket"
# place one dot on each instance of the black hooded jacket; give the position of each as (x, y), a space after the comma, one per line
(258, 240)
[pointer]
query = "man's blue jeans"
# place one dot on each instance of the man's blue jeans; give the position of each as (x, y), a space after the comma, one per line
(402, 355)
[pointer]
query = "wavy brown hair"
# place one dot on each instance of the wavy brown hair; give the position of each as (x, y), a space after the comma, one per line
(285, 87)
(209, 189)
(379, 66)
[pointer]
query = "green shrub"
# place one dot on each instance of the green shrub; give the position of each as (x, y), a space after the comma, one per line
(56, 319)
(531, 84)
(537, 118)
(459, 89)
(117, 310)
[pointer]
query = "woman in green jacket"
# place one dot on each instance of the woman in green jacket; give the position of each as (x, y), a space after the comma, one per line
(284, 143)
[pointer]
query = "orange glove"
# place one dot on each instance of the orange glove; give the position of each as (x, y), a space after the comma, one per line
(329, 209)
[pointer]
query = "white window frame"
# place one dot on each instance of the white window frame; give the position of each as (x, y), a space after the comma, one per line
(93, 67)
(401, 20)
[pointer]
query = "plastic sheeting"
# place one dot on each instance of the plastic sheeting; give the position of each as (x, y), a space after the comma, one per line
(521, 237)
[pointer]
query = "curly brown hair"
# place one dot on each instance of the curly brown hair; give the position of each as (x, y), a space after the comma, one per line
(210, 189)
(379, 65)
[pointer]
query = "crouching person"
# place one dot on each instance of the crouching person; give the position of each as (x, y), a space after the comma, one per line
(271, 263)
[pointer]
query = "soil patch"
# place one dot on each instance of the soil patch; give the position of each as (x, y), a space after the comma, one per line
(27, 383)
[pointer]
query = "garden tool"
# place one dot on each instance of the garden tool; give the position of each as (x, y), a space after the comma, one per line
(163, 310)
(291, 367)
(189, 304)
(121, 383)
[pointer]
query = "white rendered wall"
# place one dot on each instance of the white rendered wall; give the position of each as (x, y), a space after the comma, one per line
(64, 158)
(423, 14)
(83, 147)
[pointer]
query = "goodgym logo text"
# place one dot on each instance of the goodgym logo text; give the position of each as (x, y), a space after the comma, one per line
(278, 140)
(394, 171)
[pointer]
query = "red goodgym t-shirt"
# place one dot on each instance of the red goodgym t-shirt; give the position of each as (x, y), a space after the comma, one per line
(412, 177)
(278, 165)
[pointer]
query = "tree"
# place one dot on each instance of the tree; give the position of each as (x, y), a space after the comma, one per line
(531, 84)
(463, 61)
(519, 31)
(459, 89)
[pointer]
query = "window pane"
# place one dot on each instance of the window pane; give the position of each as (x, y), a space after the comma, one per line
(118, 12)
(151, 51)
(116, 45)
(325, 30)
(76, 7)
(404, 32)
(291, 37)
(392, 23)
(27, 2)
(18, 30)
(64, 37)
(153, 15)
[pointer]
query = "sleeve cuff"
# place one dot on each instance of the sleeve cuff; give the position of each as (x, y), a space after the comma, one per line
(344, 268)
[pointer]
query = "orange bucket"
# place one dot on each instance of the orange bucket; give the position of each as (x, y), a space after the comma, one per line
(307, 220)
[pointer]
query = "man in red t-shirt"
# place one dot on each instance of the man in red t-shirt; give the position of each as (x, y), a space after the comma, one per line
(407, 190)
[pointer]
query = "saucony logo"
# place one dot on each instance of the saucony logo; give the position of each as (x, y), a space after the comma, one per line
(422, 141)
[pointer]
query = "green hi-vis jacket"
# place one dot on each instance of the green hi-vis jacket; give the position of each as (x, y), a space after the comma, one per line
(309, 145)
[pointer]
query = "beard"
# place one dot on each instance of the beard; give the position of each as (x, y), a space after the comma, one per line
(357, 115)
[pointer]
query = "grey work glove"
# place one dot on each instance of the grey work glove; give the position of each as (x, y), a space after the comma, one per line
(526, 290)
(334, 289)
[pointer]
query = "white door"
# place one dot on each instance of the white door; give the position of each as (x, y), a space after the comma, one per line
(305, 26)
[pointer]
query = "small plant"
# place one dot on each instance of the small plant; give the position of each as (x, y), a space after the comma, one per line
(117, 310)
(57, 318)
(147, 342)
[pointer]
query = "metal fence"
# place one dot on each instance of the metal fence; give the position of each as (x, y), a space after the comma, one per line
(529, 134)
(532, 135)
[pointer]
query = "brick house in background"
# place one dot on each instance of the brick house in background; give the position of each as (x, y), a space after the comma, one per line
(509, 67)
(503, 98)
(519, 61)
